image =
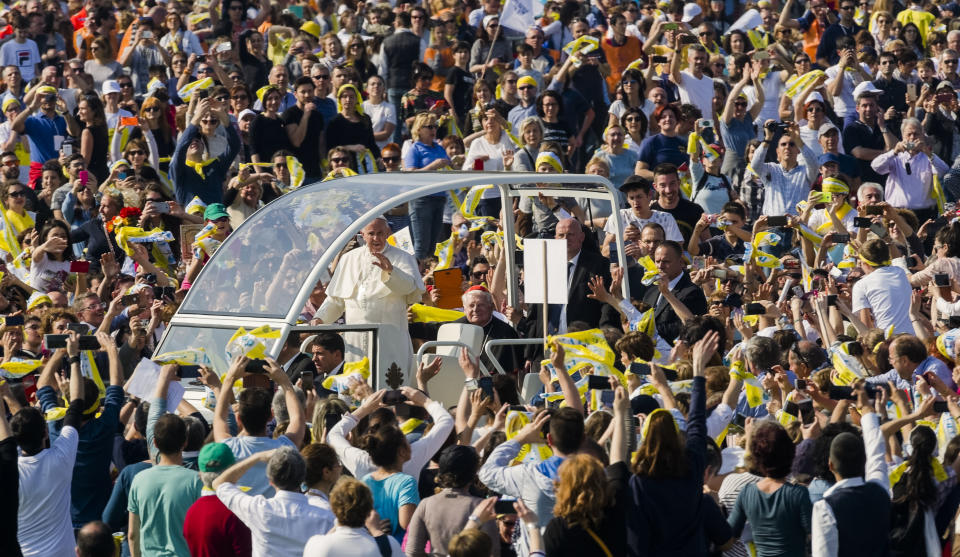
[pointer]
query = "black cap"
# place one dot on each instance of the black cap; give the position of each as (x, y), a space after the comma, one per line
(635, 182)
(643, 404)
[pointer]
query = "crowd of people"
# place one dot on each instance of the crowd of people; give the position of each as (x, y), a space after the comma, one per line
(781, 380)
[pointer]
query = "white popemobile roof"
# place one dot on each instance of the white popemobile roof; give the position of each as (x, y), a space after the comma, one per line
(266, 269)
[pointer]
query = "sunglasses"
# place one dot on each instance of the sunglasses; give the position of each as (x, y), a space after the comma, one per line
(209, 121)
(126, 85)
(322, 76)
(152, 109)
(391, 159)
(522, 87)
(478, 274)
(340, 160)
(15, 193)
(135, 153)
(632, 119)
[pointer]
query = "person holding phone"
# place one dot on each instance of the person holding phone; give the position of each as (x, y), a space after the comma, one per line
(788, 180)
(909, 168)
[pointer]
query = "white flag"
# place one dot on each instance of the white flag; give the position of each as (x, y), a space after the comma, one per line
(518, 15)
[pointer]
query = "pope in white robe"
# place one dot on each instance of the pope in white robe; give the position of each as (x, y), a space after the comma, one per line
(375, 283)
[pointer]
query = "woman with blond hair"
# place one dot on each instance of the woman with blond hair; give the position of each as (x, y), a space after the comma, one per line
(426, 154)
(155, 130)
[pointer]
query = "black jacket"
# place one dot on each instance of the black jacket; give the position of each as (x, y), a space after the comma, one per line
(668, 323)
(579, 308)
(93, 233)
(510, 357)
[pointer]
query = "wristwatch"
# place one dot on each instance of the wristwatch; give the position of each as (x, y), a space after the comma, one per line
(73, 359)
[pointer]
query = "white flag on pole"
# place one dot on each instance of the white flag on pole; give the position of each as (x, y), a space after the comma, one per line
(518, 15)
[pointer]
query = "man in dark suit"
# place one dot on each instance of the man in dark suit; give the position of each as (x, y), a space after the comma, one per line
(95, 234)
(582, 265)
(681, 290)
(478, 310)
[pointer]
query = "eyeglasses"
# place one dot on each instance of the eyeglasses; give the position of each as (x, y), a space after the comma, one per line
(95, 306)
(339, 160)
(391, 160)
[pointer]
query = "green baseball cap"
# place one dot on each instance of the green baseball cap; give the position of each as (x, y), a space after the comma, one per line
(215, 211)
(215, 457)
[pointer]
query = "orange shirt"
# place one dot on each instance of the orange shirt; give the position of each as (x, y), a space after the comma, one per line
(811, 39)
(619, 57)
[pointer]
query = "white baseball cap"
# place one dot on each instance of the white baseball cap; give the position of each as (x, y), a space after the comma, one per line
(865, 88)
(110, 86)
(690, 11)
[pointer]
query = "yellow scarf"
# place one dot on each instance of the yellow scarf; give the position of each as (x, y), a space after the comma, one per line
(198, 166)
(20, 222)
(844, 209)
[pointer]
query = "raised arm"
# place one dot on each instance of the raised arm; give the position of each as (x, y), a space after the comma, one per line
(221, 430)
(298, 420)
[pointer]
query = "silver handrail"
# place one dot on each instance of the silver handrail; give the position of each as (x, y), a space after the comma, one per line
(432, 343)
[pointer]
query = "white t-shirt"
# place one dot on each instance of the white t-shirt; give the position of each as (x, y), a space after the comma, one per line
(886, 292)
(347, 542)
(47, 275)
(380, 115)
(44, 524)
(844, 103)
(25, 56)
(481, 147)
(666, 220)
(698, 92)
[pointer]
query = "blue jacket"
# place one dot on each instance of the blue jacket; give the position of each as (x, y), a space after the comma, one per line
(187, 183)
